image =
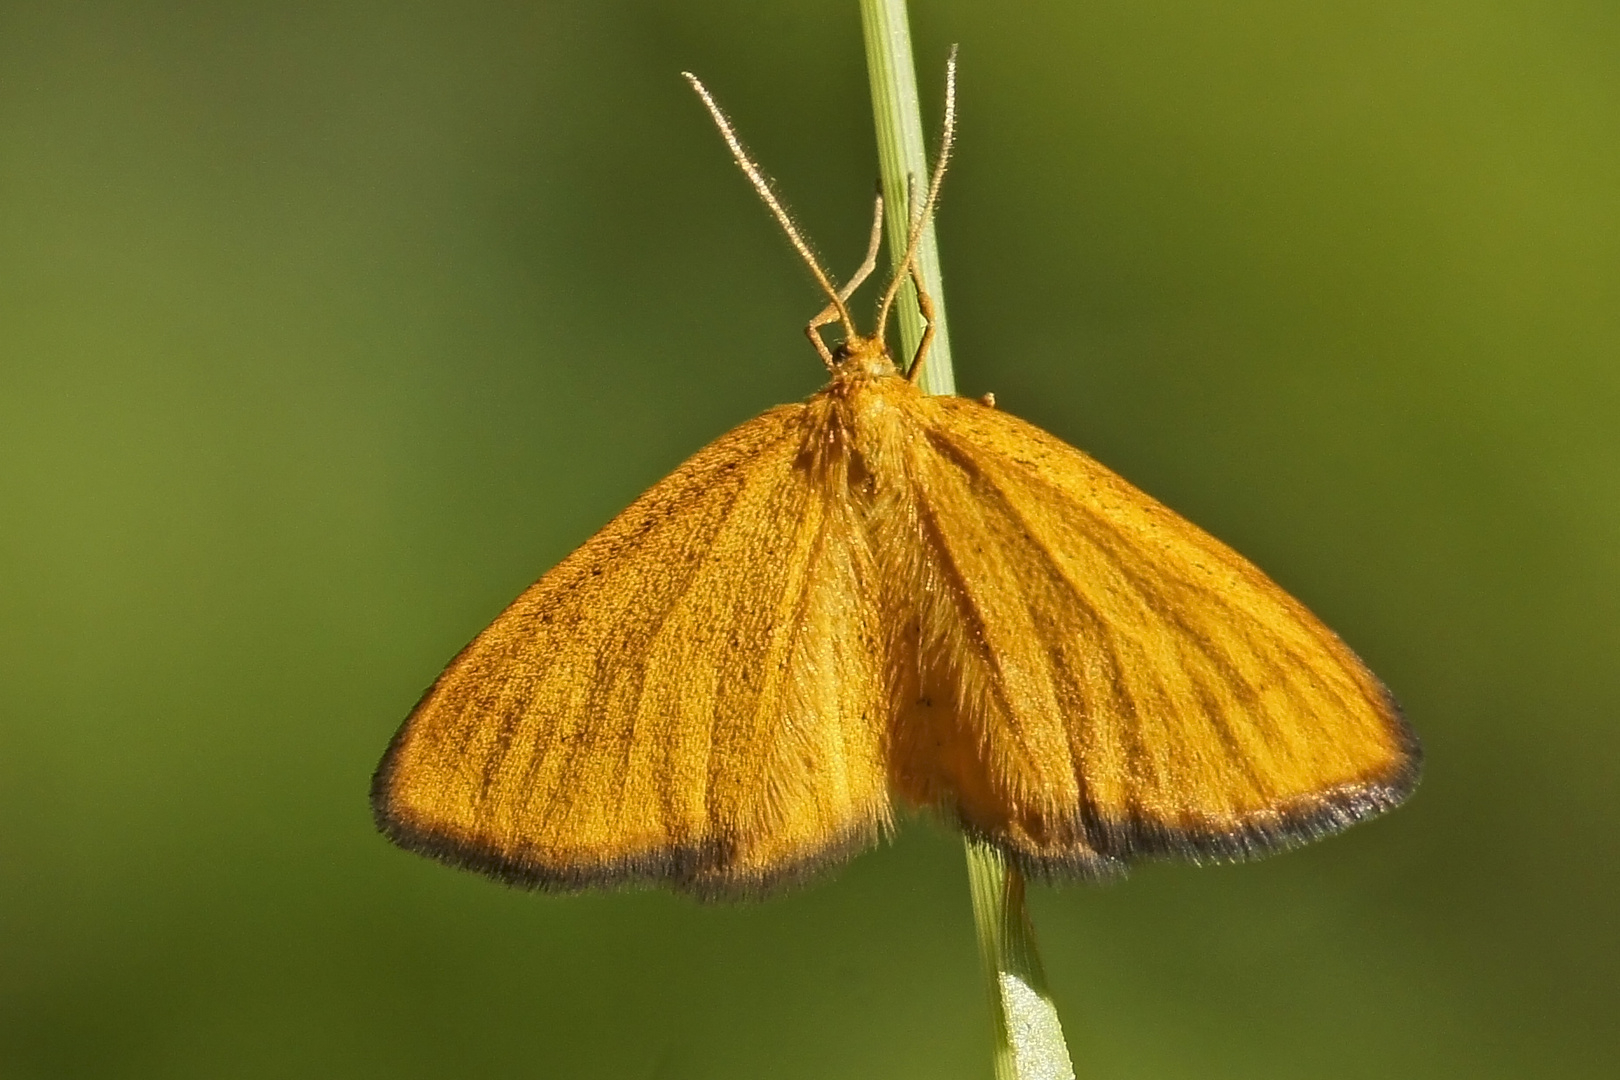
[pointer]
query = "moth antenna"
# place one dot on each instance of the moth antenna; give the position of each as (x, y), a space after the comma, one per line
(919, 218)
(763, 186)
(830, 313)
(868, 264)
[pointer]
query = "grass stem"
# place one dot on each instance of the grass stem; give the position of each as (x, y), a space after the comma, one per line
(1028, 1038)
(903, 160)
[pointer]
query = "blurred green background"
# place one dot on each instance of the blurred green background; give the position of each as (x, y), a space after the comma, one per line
(327, 327)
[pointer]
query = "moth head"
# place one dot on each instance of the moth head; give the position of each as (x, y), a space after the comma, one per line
(861, 357)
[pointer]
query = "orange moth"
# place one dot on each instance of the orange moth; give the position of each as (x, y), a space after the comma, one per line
(876, 599)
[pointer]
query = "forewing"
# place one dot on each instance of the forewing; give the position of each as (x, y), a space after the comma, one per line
(691, 697)
(1135, 686)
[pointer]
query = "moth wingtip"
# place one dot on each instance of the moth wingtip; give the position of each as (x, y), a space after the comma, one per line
(1409, 770)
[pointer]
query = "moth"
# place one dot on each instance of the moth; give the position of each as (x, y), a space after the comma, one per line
(876, 599)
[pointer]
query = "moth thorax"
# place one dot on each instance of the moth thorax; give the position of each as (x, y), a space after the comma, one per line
(862, 357)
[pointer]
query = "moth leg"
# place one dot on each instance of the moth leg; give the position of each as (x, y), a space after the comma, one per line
(925, 304)
(814, 334)
(829, 314)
